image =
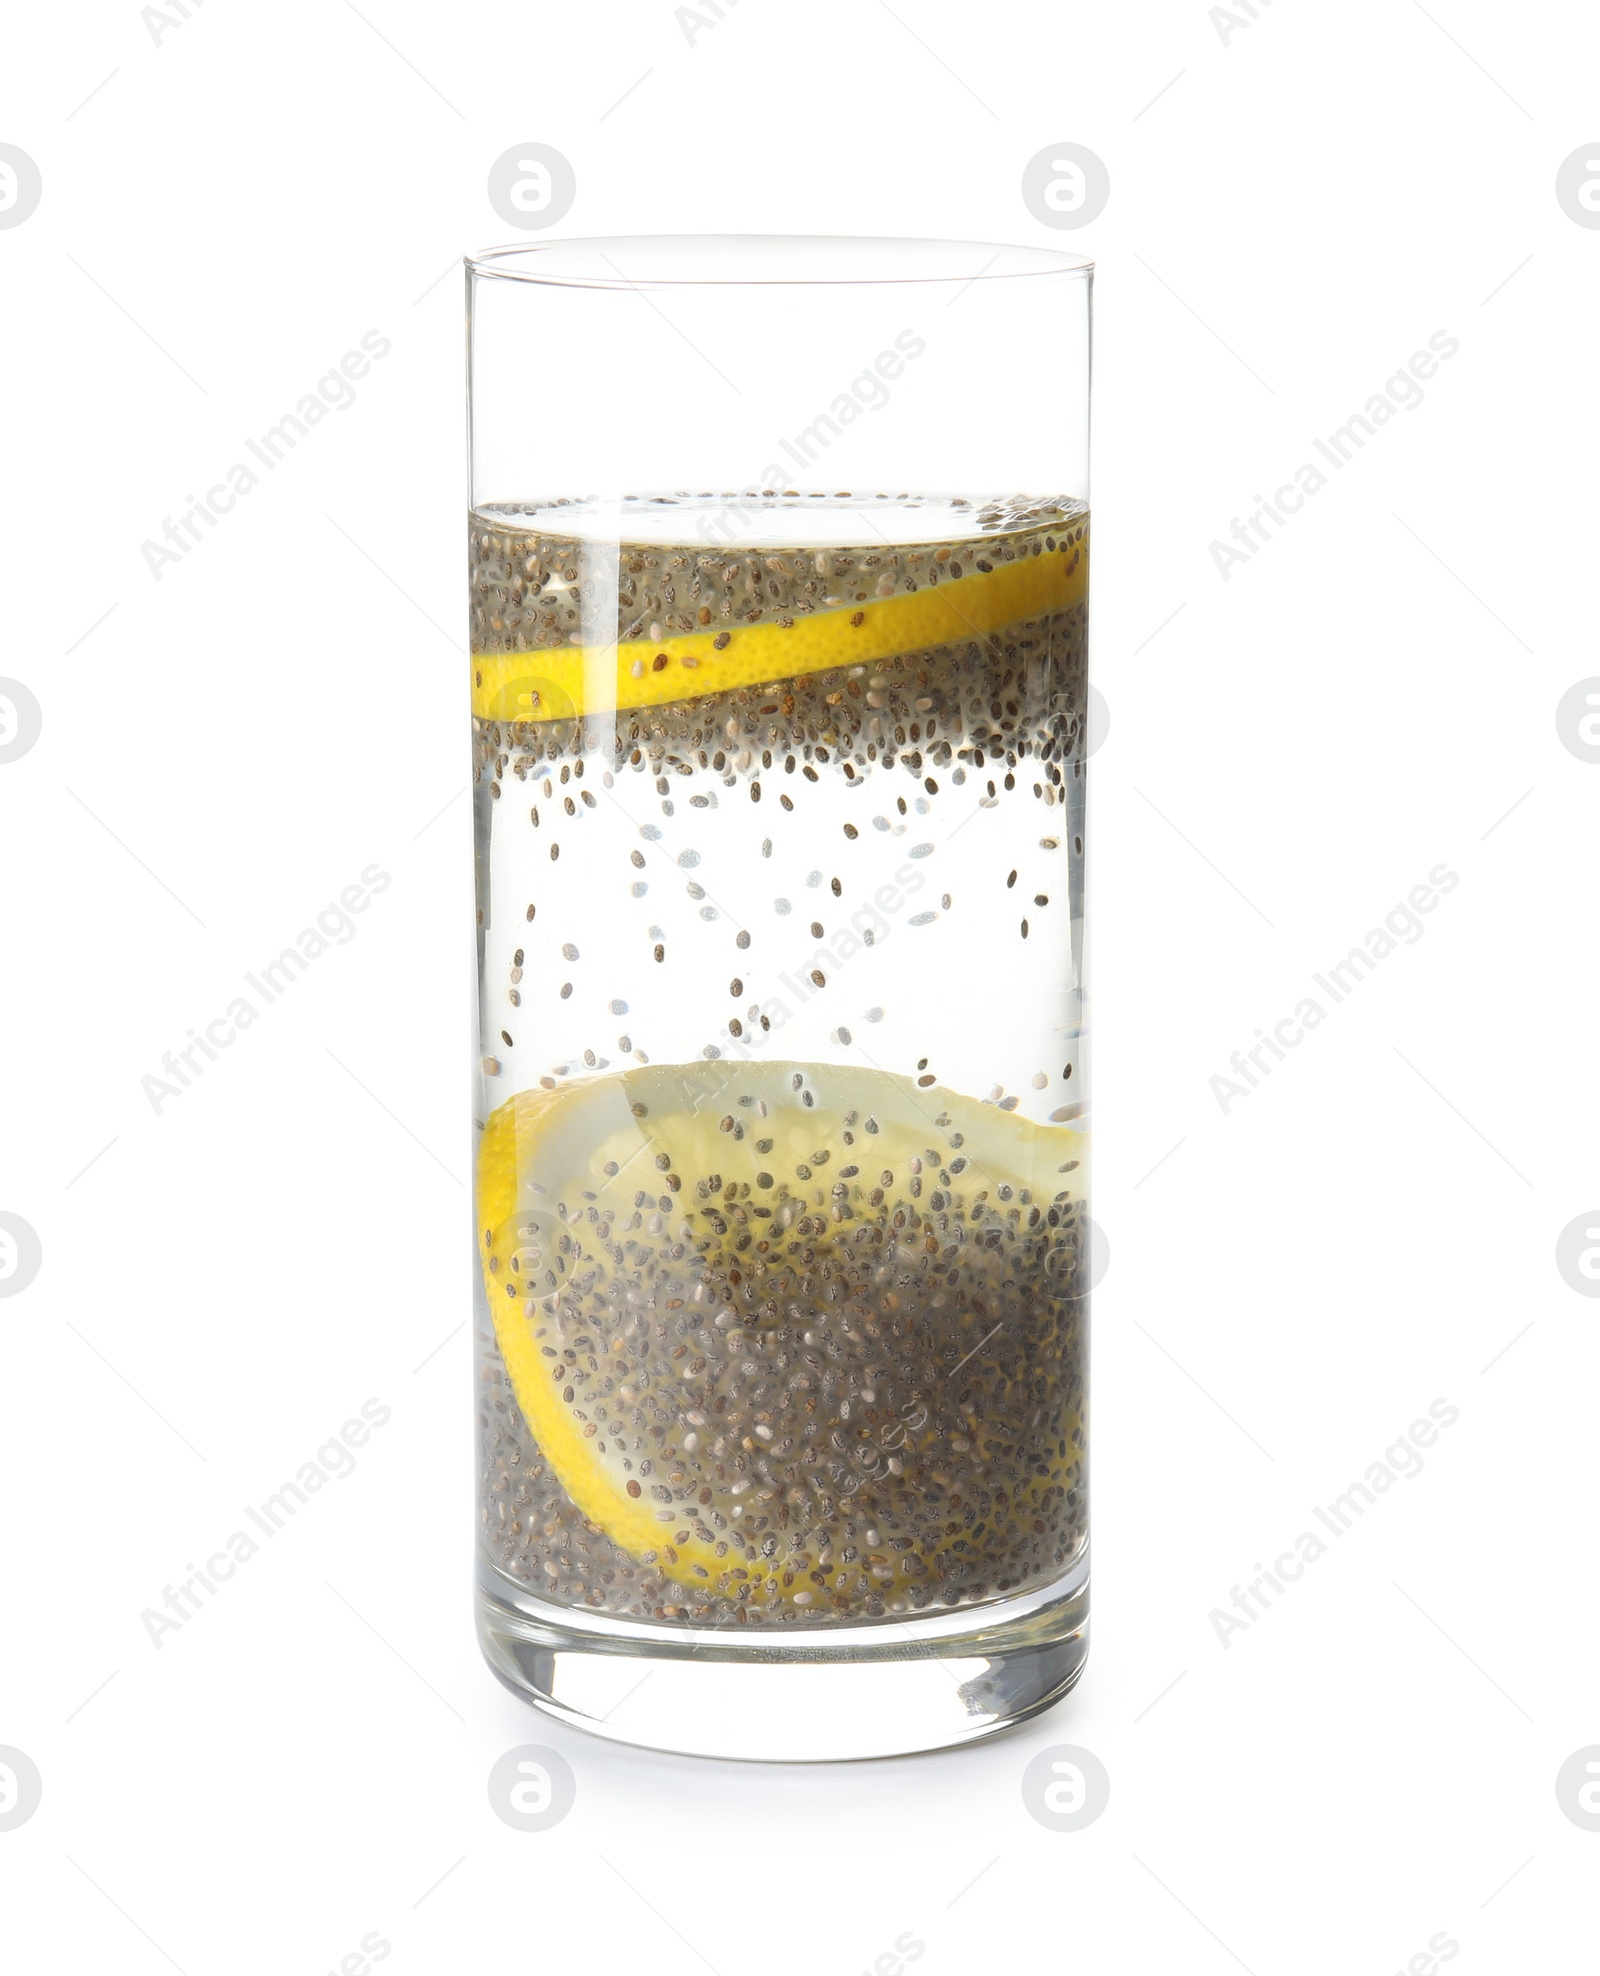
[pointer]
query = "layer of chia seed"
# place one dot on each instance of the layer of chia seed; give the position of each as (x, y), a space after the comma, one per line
(533, 587)
(893, 1403)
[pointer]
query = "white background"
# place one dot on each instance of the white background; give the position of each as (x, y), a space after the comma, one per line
(1290, 752)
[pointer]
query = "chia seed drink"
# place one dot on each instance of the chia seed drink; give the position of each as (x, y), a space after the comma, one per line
(782, 1158)
(784, 1253)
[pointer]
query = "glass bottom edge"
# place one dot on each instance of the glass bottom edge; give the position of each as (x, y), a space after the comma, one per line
(828, 1695)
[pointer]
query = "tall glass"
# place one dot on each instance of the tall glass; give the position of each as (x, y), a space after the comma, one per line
(778, 568)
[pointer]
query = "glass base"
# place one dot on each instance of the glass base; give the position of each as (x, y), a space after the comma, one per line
(824, 1695)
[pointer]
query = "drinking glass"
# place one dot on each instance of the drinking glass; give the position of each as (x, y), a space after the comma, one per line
(778, 567)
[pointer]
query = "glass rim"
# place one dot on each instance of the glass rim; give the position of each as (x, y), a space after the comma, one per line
(759, 260)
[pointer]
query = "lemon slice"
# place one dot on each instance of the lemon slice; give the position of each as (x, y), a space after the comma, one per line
(796, 1335)
(563, 680)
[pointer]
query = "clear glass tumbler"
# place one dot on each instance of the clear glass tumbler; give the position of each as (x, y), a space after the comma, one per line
(778, 567)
